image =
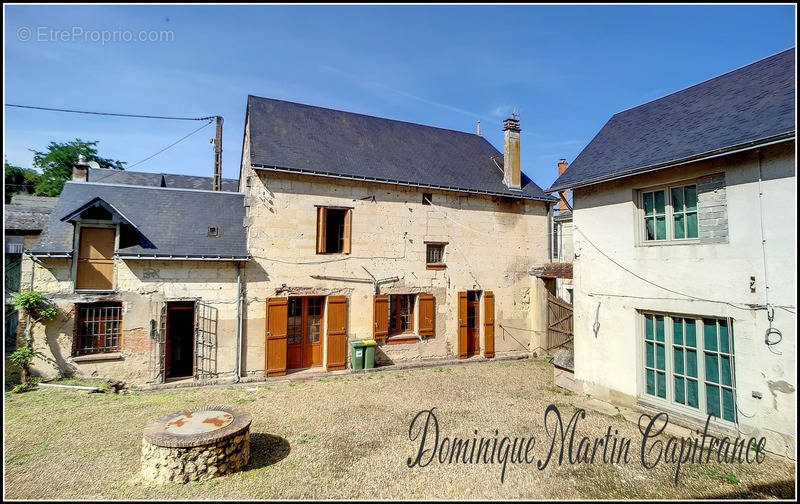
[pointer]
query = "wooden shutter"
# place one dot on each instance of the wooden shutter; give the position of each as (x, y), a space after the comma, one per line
(380, 317)
(462, 325)
(321, 226)
(426, 315)
(337, 332)
(348, 218)
(488, 328)
(277, 317)
(95, 259)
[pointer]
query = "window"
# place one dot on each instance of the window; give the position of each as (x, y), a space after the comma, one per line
(95, 260)
(333, 230)
(213, 231)
(99, 327)
(670, 213)
(695, 373)
(294, 323)
(427, 198)
(314, 319)
(434, 254)
(401, 313)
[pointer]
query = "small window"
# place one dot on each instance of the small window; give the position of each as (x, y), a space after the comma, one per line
(434, 254)
(333, 230)
(401, 313)
(213, 231)
(99, 328)
(427, 198)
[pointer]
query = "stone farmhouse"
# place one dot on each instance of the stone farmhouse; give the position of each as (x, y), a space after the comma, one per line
(684, 227)
(340, 227)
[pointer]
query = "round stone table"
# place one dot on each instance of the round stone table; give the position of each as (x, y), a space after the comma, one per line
(197, 444)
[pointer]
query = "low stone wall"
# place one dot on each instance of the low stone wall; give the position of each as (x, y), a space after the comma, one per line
(162, 464)
(175, 449)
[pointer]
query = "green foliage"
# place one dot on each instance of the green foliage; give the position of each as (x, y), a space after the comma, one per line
(35, 304)
(57, 160)
(18, 180)
(31, 384)
(23, 356)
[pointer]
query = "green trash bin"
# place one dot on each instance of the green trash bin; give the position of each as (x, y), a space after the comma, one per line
(357, 362)
(369, 353)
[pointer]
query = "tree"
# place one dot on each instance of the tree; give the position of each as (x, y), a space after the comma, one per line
(18, 180)
(56, 164)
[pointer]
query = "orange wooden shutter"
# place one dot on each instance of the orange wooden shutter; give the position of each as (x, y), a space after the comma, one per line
(337, 332)
(348, 218)
(462, 325)
(277, 317)
(95, 259)
(320, 230)
(488, 328)
(426, 315)
(380, 317)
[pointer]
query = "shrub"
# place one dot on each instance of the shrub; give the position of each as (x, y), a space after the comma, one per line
(26, 386)
(35, 304)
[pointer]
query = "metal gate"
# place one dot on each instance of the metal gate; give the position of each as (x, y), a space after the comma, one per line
(158, 341)
(559, 322)
(205, 341)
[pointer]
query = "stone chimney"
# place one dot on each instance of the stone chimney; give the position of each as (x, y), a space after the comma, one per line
(511, 165)
(562, 167)
(80, 169)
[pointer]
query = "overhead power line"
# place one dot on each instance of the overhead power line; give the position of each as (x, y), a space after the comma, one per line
(169, 146)
(140, 116)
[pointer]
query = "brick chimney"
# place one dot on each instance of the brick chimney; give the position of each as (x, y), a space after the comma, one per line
(562, 167)
(80, 169)
(511, 165)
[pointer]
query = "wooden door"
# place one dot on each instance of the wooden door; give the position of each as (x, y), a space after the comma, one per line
(488, 325)
(337, 332)
(473, 324)
(312, 343)
(462, 325)
(295, 333)
(277, 310)
(95, 259)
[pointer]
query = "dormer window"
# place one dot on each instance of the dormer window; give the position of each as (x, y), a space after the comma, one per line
(97, 224)
(95, 261)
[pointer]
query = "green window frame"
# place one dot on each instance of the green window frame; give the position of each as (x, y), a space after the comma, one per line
(688, 361)
(655, 215)
(655, 351)
(670, 214)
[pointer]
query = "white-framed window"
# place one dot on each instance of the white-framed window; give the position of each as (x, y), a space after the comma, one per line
(688, 363)
(668, 214)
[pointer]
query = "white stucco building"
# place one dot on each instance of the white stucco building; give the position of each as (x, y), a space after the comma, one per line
(684, 212)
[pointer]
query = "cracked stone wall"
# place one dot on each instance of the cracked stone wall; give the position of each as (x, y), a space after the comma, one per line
(142, 287)
(491, 246)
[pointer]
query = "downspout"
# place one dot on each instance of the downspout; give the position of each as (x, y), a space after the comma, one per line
(237, 371)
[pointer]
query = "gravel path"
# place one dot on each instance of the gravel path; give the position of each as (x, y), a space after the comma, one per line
(348, 437)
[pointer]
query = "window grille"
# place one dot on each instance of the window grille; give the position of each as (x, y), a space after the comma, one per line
(99, 328)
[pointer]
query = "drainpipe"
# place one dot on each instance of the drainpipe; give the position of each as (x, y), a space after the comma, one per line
(237, 372)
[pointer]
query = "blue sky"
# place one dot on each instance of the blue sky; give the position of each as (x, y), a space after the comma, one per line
(567, 69)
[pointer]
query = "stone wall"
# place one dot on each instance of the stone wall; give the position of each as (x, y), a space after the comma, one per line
(142, 289)
(162, 464)
(491, 244)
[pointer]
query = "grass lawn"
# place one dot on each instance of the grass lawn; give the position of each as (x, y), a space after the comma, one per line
(348, 437)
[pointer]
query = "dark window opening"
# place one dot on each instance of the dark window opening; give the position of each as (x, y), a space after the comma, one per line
(427, 198)
(99, 328)
(333, 230)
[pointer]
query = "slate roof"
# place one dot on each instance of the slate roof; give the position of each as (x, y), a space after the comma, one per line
(165, 222)
(109, 176)
(28, 213)
(292, 137)
(752, 104)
